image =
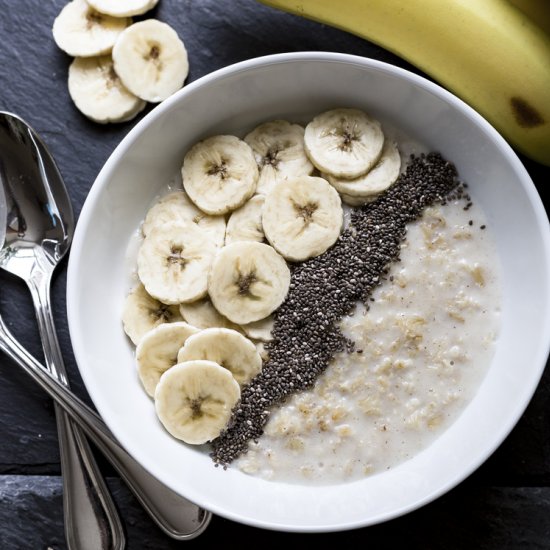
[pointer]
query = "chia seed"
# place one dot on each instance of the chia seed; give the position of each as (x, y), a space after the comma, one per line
(306, 335)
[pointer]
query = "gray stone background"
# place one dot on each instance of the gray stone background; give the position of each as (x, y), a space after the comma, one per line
(505, 504)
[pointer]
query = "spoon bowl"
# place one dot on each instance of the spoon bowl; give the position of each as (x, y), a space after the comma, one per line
(39, 211)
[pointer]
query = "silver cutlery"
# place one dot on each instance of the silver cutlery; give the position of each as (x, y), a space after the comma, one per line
(38, 232)
(177, 517)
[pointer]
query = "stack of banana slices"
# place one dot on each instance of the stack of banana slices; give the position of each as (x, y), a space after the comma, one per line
(213, 263)
(119, 65)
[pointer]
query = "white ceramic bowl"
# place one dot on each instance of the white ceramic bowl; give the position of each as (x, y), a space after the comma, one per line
(297, 86)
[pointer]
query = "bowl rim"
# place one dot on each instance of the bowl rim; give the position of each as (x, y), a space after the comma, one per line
(102, 179)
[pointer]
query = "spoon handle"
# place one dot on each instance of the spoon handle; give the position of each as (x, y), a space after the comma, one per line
(175, 515)
(90, 516)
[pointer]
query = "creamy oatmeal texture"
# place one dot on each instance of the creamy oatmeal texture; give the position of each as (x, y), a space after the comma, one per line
(421, 352)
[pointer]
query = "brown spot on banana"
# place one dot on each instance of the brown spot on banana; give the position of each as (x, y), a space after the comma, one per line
(525, 114)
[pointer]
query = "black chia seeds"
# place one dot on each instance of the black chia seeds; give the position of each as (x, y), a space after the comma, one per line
(326, 288)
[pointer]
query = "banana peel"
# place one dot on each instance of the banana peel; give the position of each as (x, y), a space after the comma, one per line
(487, 52)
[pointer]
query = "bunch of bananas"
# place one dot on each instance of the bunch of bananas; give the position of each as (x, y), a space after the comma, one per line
(494, 54)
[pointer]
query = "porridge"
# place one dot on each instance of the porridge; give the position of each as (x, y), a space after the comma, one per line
(421, 351)
(315, 304)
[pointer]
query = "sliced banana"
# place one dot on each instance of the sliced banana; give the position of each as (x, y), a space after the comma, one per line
(123, 8)
(260, 330)
(376, 180)
(158, 351)
(344, 142)
(356, 201)
(202, 314)
(143, 313)
(278, 147)
(176, 207)
(245, 223)
(151, 60)
(81, 31)
(302, 217)
(248, 281)
(226, 347)
(98, 93)
(194, 400)
(173, 262)
(219, 174)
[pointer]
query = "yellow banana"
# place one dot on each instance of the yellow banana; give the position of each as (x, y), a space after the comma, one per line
(487, 52)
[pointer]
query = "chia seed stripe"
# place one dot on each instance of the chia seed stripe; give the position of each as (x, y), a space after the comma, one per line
(324, 289)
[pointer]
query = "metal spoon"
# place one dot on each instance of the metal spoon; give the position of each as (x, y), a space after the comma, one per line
(37, 236)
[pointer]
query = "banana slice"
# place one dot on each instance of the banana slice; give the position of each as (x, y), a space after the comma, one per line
(151, 60)
(194, 400)
(302, 217)
(279, 150)
(123, 8)
(202, 314)
(158, 351)
(245, 223)
(173, 262)
(260, 330)
(219, 174)
(81, 31)
(356, 201)
(176, 207)
(226, 347)
(248, 281)
(376, 180)
(344, 142)
(98, 93)
(143, 313)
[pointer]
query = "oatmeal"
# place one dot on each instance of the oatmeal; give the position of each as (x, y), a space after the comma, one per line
(420, 353)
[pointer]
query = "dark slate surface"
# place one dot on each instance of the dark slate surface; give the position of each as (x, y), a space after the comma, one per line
(481, 518)
(505, 504)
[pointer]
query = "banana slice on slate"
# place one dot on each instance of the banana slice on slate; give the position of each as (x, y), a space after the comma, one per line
(81, 31)
(143, 313)
(177, 207)
(158, 351)
(376, 180)
(245, 223)
(344, 142)
(98, 93)
(226, 347)
(194, 400)
(278, 147)
(123, 8)
(219, 174)
(260, 330)
(202, 314)
(302, 217)
(173, 262)
(151, 60)
(248, 281)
